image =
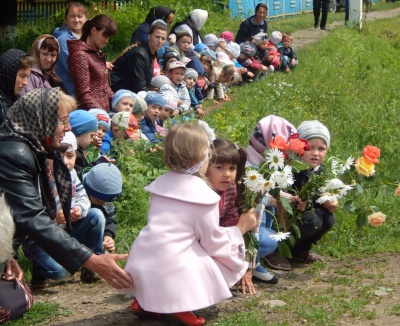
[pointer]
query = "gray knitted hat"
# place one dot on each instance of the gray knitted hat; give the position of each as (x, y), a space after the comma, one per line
(314, 129)
(191, 73)
(104, 182)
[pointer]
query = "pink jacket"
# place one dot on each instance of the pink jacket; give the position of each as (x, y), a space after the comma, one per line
(182, 260)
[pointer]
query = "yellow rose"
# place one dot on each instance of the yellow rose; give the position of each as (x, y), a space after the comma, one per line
(376, 219)
(364, 167)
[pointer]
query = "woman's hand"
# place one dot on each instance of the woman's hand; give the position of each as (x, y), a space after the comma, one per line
(331, 206)
(246, 281)
(12, 271)
(301, 205)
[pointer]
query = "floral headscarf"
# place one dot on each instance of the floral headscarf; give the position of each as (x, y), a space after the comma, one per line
(33, 119)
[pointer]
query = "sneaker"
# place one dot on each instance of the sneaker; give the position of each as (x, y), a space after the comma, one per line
(88, 276)
(261, 274)
(275, 261)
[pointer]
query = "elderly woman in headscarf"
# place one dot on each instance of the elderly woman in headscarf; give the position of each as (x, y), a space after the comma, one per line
(139, 35)
(34, 129)
(15, 68)
(45, 49)
(193, 24)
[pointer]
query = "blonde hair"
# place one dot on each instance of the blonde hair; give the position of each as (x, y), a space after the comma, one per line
(67, 102)
(185, 146)
(289, 36)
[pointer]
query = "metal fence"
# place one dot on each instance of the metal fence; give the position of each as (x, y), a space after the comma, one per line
(29, 12)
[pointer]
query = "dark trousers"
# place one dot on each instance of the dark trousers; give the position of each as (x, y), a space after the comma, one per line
(317, 6)
(314, 225)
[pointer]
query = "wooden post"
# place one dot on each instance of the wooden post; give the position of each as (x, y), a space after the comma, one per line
(355, 12)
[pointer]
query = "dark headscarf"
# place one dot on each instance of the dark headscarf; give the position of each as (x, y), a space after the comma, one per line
(9, 64)
(33, 119)
(158, 12)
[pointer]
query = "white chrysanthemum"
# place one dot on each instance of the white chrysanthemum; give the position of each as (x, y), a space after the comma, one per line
(267, 186)
(275, 159)
(335, 167)
(344, 190)
(253, 180)
(280, 236)
(282, 179)
(346, 166)
(326, 198)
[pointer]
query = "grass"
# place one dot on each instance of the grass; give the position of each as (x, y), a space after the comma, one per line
(347, 80)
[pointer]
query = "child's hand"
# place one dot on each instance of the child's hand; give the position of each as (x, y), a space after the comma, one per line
(96, 141)
(250, 74)
(180, 102)
(292, 62)
(176, 112)
(200, 112)
(109, 244)
(301, 205)
(109, 66)
(264, 68)
(60, 218)
(243, 70)
(246, 281)
(134, 136)
(247, 221)
(75, 214)
(331, 207)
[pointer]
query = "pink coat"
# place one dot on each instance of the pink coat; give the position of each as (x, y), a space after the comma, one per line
(182, 260)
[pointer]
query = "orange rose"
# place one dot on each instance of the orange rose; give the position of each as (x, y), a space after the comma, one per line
(371, 153)
(397, 192)
(279, 143)
(376, 219)
(297, 146)
(364, 167)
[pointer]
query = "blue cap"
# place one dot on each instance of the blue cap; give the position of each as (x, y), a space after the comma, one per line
(82, 122)
(154, 98)
(121, 94)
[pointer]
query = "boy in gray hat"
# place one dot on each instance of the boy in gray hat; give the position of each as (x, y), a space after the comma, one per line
(321, 219)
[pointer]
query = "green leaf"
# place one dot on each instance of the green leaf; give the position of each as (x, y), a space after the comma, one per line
(375, 209)
(286, 205)
(349, 206)
(296, 230)
(361, 220)
(298, 165)
(359, 188)
(284, 249)
(291, 240)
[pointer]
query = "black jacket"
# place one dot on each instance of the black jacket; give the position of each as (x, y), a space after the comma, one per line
(19, 175)
(134, 70)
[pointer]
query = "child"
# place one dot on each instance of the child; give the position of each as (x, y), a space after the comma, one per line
(318, 222)
(103, 126)
(260, 40)
(200, 259)
(287, 53)
(227, 36)
(123, 126)
(209, 75)
(233, 52)
(226, 169)
(176, 74)
(210, 40)
(247, 60)
(84, 127)
(157, 82)
(155, 103)
(170, 109)
(190, 80)
(170, 56)
(87, 223)
(103, 184)
(183, 42)
(127, 101)
(258, 143)
(224, 73)
(274, 57)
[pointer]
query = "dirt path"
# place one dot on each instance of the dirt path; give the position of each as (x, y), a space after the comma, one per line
(98, 304)
(305, 37)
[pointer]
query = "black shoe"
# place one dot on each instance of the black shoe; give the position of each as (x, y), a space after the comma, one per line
(323, 28)
(38, 282)
(316, 25)
(88, 276)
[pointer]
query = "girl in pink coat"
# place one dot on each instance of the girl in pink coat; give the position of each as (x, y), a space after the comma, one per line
(200, 260)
